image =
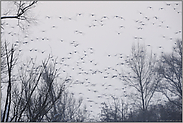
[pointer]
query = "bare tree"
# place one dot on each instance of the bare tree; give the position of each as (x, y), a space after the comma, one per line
(141, 75)
(9, 54)
(117, 111)
(68, 109)
(159, 112)
(36, 93)
(39, 95)
(9, 60)
(170, 68)
(19, 10)
(33, 92)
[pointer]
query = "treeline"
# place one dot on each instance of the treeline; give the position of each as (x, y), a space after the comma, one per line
(149, 75)
(121, 112)
(37, 92)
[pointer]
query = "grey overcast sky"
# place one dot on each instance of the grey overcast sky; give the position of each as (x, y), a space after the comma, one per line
(102, 30)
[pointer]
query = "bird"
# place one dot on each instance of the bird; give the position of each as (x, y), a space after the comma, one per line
(99, 96)
(69, 18)
(48, 17)
(116, 16)
(167, 27)
(114, 76)
(102, 24)
(161, 8)
(105, 17)
(81, 32)
(121, 26)
(79, 14)
(105, 76)
(92, 15)
(135, 37)
(95, 20)
(147, 18)
(25, 42)
(176, 4)
(76, 31)
(139, 28)
(155, 17)
(140, 37)
(122, 18)
(118, 33)
(149, 7)
(168, 4)
(176, 32)
(94, 25)
(76, 45)
(140, 13)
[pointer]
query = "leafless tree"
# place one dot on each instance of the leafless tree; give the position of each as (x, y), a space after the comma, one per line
(19, 10)
(9, 54)
(141, 75)
(170, 68)
(117, 111)
(35, 92)
(159, 112)
(9, 59)
(68, 109)
(39, 95)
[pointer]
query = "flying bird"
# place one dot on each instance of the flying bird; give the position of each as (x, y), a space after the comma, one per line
(48, 17)
(92, 15)
(105, 17)
(161, 8)
(149, 7)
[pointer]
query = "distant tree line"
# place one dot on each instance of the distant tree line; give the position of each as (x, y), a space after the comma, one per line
(148, 76)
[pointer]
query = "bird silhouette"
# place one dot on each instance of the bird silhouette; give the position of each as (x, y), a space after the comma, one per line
(149, 7)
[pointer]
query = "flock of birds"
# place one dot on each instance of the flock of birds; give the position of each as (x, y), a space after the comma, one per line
(81, 65)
